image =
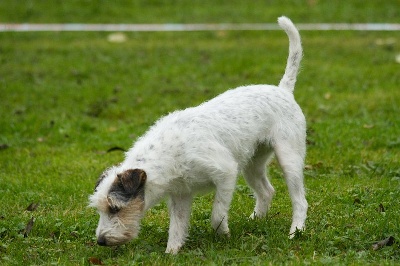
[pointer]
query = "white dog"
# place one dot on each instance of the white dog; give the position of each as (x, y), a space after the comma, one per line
(205, 147)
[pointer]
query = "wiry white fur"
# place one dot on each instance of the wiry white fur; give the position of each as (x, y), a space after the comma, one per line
(295, 54)
(207, 147)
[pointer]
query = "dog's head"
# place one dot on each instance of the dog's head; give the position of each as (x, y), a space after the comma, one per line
(119, 199)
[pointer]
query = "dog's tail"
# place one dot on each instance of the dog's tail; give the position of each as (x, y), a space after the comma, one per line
(295, 54)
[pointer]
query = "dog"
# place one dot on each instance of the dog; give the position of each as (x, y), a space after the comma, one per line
(207, 147)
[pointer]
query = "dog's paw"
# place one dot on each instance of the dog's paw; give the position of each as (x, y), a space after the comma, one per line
(173, 250)
(223, 231)
(256, 215)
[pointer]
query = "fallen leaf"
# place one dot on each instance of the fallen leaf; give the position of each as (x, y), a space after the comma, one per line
(221, 33)
(385, 242)
(312, 3)
(32, 207)
(116, 149)
(4, 146)
(385, 42)
(368, 126)
(327, 95)
(28, 227)
(316, 165)
(117, 37)
(96, 108)
(308, 167)
(20, 111)
(112, 129)
(95, 261)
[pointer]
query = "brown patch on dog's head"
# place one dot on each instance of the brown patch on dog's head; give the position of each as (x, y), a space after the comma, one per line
(127, 186)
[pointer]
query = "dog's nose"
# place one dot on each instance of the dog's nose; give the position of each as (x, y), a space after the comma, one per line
(101, 241)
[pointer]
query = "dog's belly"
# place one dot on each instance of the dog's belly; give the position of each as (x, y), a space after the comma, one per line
(191, 185)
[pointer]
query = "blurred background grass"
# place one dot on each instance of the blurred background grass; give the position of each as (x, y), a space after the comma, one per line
(197, 11)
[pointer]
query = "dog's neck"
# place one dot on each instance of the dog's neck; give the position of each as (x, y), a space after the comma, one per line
(153, 194)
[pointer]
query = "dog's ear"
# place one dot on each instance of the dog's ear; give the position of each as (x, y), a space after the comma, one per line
(128, 185)
(132, 180)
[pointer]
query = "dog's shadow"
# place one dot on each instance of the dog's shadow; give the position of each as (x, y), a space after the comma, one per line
(245, 234)
(203, 244)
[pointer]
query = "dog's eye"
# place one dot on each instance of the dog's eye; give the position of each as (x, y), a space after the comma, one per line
(114, 209)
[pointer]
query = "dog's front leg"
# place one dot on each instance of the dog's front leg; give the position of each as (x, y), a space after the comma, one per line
(179, 212)
(222, 201)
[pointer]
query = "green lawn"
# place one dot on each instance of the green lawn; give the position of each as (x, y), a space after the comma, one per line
(67, 98)
(197, 11)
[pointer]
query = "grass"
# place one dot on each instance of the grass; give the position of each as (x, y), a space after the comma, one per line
(67, 98)
(183, 11)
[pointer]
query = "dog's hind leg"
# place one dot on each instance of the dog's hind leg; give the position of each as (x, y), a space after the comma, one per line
(255, 175)
(291, 160)
(179, 211)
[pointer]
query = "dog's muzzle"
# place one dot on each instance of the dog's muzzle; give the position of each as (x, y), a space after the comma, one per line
(101, 241)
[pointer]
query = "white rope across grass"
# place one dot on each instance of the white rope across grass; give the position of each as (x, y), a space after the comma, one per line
(197, 27)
